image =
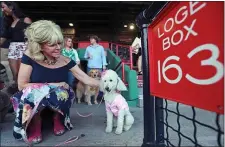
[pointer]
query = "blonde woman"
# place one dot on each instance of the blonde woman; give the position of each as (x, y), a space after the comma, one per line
(71, 53)
(42, 80)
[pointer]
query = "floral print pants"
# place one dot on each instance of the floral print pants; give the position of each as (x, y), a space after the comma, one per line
(33, 99)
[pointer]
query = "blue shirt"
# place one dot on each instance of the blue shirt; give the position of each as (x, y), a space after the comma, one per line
(98, 59)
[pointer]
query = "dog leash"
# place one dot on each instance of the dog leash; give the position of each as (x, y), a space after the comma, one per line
(81, 115)
(75, 138)
(71, 139)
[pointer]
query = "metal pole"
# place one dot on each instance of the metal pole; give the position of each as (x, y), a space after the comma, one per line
(150, 126)
(148, 100)
(1, 29)
(159, 125)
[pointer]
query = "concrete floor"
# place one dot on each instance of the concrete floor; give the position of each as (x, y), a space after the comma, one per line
(93, 127)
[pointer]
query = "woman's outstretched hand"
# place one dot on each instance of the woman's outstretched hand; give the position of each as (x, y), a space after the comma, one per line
(96, 83)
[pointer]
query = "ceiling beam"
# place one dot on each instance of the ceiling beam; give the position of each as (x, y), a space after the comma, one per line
(80, 21)
(136, 2)
(67, 12)
(119, 20)
(61, 4)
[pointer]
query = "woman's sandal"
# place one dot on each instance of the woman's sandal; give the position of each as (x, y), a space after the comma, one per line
(59, 128)
(34, 132)
(140, 73)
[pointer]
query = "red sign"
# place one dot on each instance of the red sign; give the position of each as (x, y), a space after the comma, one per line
(186, 43)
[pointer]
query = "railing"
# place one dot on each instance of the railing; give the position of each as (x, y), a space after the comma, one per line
(123, 74)
(124, 52)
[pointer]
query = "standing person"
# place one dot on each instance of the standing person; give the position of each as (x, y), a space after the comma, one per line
(95, 54)
(139, 59)
(70, 52)
(42, 81)
(15, 22)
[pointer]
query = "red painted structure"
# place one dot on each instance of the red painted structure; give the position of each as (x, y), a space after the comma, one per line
(186, 53)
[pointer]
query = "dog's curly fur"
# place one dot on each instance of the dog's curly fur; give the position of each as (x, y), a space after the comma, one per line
(88, 91)
(110, 85)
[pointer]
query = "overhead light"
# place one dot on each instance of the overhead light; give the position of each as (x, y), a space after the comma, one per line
(71, 24)
(125, 26)
(131, 27)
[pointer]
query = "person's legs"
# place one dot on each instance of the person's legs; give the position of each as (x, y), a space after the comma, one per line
(135, 57)
(139, 63)
(88, 69)
(14, 68)
(18, 64)
(100, 94)
(71, 79)
(12, 89)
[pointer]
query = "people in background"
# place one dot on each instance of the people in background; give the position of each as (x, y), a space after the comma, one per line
(43, 76)
(134, 55)
(15, 21)
(137, 58)
(95, 54)
(70, 52)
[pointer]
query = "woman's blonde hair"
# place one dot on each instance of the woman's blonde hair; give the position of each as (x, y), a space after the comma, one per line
(42, 31)
(66, 39)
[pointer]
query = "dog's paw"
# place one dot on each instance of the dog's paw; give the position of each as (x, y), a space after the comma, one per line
(126, 128)
(96, 102)
(89, 103)
(118, 131)
(78, 102)
(108, 129)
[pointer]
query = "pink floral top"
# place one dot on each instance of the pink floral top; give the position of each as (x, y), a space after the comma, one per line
(118, 104)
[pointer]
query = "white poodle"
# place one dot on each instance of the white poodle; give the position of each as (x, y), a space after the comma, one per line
(117, 110)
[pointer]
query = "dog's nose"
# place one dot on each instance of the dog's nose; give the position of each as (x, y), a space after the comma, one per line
(107, 89)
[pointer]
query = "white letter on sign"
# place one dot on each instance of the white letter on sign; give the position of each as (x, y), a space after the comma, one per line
(211, 61)
(166, 41)
(185, 14)
(190, 30)
(192, 4)
(172, 23)
(159, 34)
(181, 37)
